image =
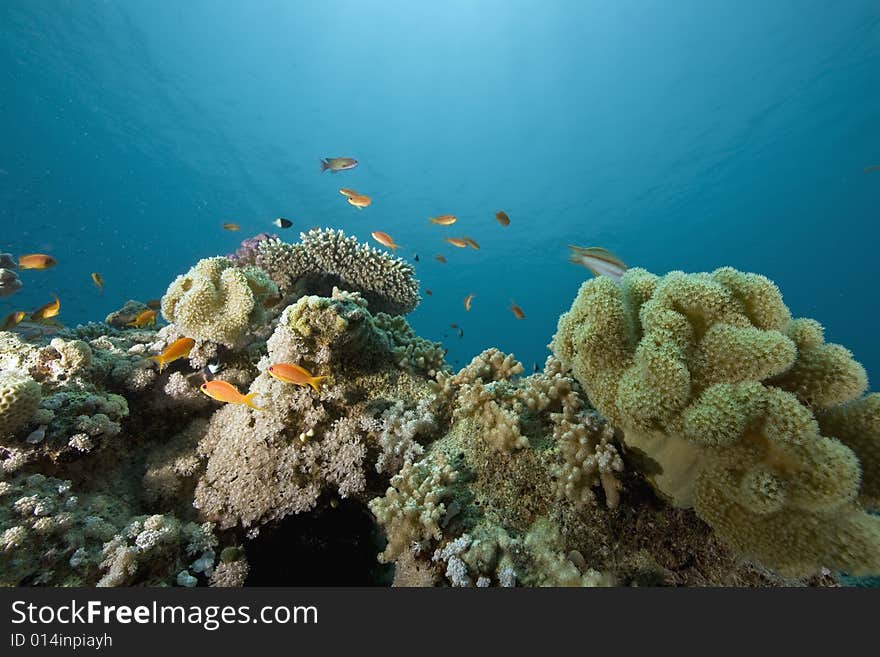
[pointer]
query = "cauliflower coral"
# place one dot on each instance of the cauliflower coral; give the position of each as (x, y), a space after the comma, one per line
(732, 407)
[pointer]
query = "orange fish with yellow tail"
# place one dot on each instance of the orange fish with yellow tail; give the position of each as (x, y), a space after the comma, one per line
(225, 392)
(180, 348)
(385, 240)
(12, 320)
(36, 261)
(444, 220)
(146, 318)
(51, 309)
(296, 374)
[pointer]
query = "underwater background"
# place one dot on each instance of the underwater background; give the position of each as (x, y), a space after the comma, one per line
(680, 135)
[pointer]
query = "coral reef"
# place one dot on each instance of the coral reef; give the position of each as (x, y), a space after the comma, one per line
(682, 423)
(717, 390)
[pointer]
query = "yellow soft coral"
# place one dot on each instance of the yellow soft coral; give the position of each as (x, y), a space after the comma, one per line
(216, 301)
(718, 392)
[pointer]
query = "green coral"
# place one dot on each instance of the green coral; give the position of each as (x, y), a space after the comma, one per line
(218, 302)
(19, 399)
(718, 390)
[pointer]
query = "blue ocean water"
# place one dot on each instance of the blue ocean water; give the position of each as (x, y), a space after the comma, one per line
(681, 135)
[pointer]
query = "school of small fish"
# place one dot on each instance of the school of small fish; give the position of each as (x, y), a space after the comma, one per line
(598, 260)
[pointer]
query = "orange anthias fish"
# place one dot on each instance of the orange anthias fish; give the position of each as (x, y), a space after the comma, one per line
(146, 318)
(454, 241)
(444, 220)
(335, 164)
(598, 260)
(441, 259)
(225, 392)
(296, 374)
(471, 243)
(231, 226)
(348, 193)
(51, 309)
(385, 240)
(517, 311)
(502, 218)
(36, 261)
(98, 281)
(468, 300)
(360, 201)
(180, 348)
(12, 320)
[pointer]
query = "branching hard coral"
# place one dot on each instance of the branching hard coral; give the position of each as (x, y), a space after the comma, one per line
(498, 426)
(324, 259)
(715, 389)
(218, 302)
(588, 459)
(19, 398)
(413, 505)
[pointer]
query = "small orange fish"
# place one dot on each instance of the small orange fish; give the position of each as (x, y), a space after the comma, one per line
(471, 243)
(441, 259)
(146, 318)
(454, 241)
(517, 311)
(348, 193)
(51, 309)
(180, 348)
(231, 226)
(502, 218)
(225, 392)
(444, 220)
(467, 301)
(98, 281)
(428, 292)
(335, 164)
(154, 304)
(360, 201)
(12, 320)
(296, 374)
(385, 240)
(36, 261)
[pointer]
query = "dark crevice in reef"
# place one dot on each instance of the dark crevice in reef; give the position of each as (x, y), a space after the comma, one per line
(326, 547)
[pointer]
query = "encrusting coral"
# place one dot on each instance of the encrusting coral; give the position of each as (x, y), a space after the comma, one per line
(19, 398)
(718, 390)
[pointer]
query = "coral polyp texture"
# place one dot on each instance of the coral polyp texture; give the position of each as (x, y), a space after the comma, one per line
(218, 302)
(326, 258)
(734, 408)
(683, 423)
